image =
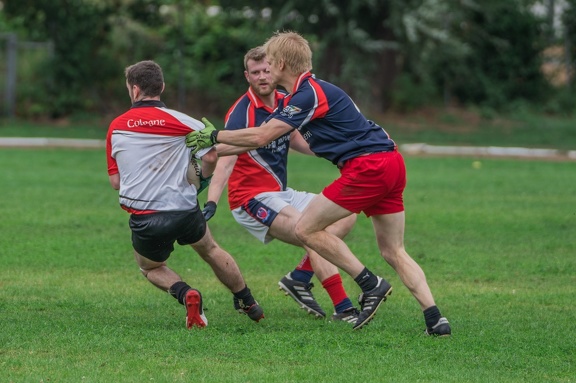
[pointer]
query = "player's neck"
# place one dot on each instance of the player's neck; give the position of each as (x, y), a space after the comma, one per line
(270, 100)
(288, 83)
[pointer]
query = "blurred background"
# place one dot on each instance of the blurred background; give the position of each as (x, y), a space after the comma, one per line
(65, 58)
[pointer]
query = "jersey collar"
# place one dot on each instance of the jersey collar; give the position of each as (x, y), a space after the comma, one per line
(258, 103)
(148, 103)
(303, 77)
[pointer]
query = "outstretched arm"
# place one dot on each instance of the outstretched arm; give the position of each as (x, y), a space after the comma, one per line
(251, 138)
(231, 150)
(256, 137)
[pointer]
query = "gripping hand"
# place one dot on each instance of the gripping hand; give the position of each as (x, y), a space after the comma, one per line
(199, 139)
(209, 210)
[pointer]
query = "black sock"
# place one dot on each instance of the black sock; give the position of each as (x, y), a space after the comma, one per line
(432, 316)
(178, 290)
(245, 298)
(366, 280)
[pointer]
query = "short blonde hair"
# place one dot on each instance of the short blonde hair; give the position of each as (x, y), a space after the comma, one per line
(292, 49)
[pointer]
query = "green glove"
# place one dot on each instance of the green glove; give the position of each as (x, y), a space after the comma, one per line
(199, 139)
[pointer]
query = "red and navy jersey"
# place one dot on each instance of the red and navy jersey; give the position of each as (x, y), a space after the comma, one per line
(258, 170)
(146, 146)
(330, 122)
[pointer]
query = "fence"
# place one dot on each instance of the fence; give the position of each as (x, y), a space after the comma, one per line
(17, 59)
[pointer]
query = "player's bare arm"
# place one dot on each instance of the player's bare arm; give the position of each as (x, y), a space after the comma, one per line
(209, 161)
(255, 137)
(299, 144)
(220, 179)
(231, 150)
(115, 181)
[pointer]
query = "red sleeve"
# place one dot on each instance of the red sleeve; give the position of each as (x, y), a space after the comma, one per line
(112, 165)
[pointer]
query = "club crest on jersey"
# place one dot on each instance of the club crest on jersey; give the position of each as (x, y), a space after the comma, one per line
(262, 214)
(290, 111)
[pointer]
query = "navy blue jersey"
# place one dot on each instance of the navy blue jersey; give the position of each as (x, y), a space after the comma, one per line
(258, 170)
(330, 122)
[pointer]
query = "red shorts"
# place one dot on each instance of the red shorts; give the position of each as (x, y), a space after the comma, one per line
(372, 183)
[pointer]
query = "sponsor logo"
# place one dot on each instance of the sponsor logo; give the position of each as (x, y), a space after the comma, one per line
(290, 111)
(136, 123)
(262, 214)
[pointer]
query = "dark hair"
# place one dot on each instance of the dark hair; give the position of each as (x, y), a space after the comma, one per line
(147, 75)
(256, 54)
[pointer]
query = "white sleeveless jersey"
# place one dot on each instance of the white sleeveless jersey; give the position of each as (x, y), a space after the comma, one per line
(146, 145)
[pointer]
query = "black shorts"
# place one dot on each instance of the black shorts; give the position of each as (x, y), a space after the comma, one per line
(153, 235)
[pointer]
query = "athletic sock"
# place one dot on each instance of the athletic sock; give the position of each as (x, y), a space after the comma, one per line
(303, 272)
(301, 275)
(366, 280)
(335, 290)
(432, 316)
(178, 290)
(245, 298)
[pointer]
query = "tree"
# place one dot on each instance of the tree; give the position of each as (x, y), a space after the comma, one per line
(79, 32)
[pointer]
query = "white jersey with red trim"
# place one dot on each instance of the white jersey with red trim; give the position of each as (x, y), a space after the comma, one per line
(146, 146)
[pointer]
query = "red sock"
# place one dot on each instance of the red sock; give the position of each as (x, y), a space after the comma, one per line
(335, 289)
(305, 264)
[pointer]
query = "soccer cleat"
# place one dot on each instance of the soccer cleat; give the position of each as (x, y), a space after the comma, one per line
(254, 312)
(302, 294)
(441, 328)
(194, 310)
(349, 315)
(370, 302)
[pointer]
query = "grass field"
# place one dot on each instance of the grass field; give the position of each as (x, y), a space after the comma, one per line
(497, 244)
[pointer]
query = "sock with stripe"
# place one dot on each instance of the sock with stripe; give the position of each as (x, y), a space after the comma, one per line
(303, 272)
(335, 290)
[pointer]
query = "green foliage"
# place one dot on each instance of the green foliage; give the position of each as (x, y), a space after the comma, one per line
(503, 63)
(400, 53)
(212, 48)
(410, 93)
(78, 30)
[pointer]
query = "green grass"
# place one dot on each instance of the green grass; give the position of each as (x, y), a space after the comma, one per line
(497, 244)
(467, 127)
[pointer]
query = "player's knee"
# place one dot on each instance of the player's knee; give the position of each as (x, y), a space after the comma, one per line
(301, 233)
(393, 256)
(144, 272)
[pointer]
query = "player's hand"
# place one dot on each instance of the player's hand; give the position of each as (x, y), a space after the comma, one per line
(204, 138)
(204, 182)
(209, 210)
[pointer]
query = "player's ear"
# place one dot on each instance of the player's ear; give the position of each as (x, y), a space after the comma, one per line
(163, 85)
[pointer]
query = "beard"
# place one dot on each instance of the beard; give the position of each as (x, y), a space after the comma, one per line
(263, 92)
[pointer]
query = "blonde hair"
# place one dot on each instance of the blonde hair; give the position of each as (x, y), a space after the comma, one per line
(292, 49)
